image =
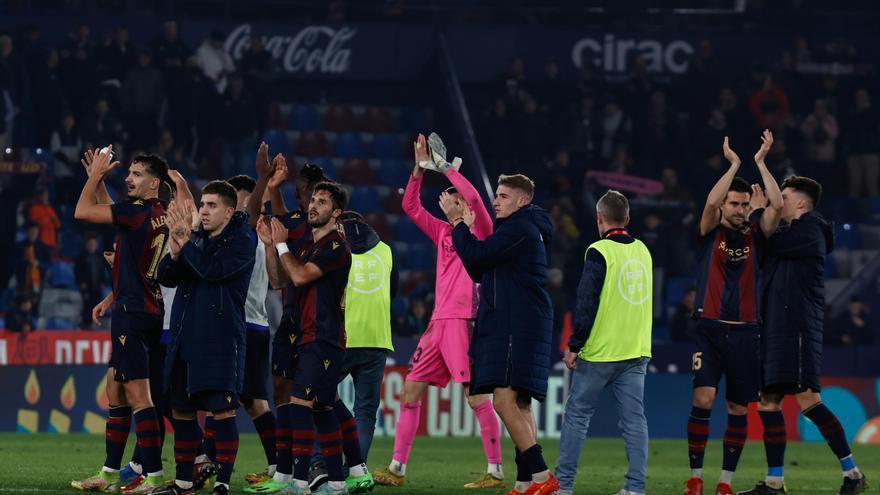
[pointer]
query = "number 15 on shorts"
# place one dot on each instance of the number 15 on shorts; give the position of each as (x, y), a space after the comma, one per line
(697, 361)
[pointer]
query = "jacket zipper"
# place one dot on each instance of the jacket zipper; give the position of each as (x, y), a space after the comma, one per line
(509, 360)
(235, 368)
(800, 360)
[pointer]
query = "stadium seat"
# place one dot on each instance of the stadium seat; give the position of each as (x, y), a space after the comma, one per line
(376, 120)
(326, 164)
(413, 121)
(304, 117)
(847, 236)
(379, 222)
(313, 144)
(394, 173)
(277, 141)
(419, 257)
(340, 118)
(357, 173)
(61, 275)
(56, 323)
(71, 242)
(288, 192)
(394, 202)
(61, 303)
(675, 289)
(365, 200)
(276, 117)
(399, 307)
(407, 231)
(830, 267)
(386, 147)
(348, 145)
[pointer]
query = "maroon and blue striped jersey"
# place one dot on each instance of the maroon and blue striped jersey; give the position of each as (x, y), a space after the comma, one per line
(321, 301)
(298, 233)
(729, 272)
(141, 237)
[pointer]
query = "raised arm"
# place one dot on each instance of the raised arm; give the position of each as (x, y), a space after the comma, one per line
(300, 274)
(278, 178)
(182, 193)
(482, 222)
(103, 196)
(87, 207)
(264, 170)
(712, 211)
(412, 201)
(277, 276)
(770, 217)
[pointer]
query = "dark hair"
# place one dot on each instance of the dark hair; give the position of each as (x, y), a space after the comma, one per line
(242, 183)
(312, 173)
(337, 193)
(518, 181)
(806, 186)
(224, 190)
(154, 164)
(613, 206)
(740, 185)
(350, 215)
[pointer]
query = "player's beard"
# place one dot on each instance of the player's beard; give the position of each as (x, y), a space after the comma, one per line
(319, 222)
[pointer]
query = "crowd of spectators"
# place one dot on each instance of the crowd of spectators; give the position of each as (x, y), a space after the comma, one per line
(164, 96)
(670, 130)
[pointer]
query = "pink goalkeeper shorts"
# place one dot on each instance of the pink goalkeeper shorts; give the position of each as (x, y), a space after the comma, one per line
(442, 353)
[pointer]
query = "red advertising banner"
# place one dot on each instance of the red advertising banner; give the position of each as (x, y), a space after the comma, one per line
(54, 347)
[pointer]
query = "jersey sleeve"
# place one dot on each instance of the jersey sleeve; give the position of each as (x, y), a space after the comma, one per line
(755, 223)
(129, 214)
(333, 255)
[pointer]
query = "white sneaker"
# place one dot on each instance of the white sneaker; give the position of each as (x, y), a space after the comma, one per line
(627, 492)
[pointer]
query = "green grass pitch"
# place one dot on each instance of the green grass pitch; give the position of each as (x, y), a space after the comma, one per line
(45, 463)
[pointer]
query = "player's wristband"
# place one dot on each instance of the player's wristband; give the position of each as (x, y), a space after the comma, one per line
(282, 248)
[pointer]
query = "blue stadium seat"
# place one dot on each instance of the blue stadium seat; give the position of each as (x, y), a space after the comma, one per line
(56, 323)
(830, 267)
(304, 117)
(71, 242)
(61, 275)
(386, 147)
(394, 173)
(288, 192)
(278, 143)
(406, 231)
(413, 121)
(7, 297)
(847, 236)
(327, 166)
(399, 306)
(675, 289)
(365, 200)
(419, 257)
(349, 145)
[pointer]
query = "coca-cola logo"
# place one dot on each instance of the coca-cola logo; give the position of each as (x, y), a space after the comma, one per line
(313, 49)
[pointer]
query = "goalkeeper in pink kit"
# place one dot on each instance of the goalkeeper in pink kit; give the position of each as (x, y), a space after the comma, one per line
(442, 353)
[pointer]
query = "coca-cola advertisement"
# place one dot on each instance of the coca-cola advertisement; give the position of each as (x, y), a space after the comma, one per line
(307, 50)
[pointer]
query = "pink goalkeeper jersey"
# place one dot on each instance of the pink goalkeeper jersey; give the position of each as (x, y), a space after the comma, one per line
(456, 294)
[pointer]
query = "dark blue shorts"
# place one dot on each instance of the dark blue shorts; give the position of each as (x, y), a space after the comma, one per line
(732, 351)
(208, 400)
(256, 366)
(282, 350)
(134, 337)
(318, 369)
